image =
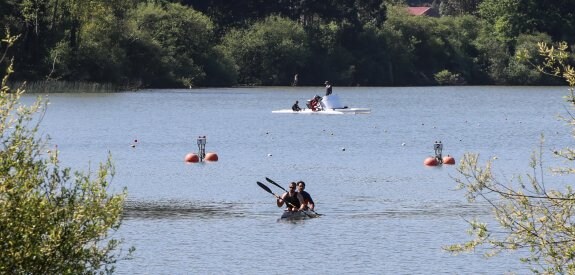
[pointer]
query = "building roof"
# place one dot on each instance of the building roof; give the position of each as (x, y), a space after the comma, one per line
(419, 10)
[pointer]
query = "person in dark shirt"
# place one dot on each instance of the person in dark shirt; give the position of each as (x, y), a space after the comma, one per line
(307, 200)
(296, 107)
(327, 88)
(292, 199)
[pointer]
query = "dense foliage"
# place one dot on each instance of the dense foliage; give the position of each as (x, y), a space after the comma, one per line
(186, 43)
(52, 220)
(532, 216)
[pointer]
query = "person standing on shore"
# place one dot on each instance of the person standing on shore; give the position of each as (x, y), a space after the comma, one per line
(295, 80)
(327, 88)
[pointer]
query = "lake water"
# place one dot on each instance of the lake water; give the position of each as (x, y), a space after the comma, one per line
(384, 211)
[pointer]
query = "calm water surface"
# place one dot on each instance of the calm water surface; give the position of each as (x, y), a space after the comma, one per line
(384, 212)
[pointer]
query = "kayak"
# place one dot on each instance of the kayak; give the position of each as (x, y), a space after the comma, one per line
(298, 215)
(327, 105)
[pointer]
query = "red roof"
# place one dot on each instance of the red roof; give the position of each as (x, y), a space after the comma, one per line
(418, 10)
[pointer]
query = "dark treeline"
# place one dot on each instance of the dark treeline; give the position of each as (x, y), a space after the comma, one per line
(209, 43)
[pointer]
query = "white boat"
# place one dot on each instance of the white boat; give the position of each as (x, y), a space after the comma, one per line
(299, 215)
(328, 105)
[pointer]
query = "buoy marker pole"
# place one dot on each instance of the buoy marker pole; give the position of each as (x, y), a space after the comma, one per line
(438, 148)
(202, 147)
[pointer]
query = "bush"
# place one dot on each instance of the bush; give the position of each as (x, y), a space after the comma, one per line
(446, 77)
(52, 220)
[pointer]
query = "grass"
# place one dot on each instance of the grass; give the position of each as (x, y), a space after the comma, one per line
(65, 87)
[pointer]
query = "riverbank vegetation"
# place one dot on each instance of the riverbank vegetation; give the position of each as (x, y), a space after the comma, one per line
(191, 43)
(52, 220)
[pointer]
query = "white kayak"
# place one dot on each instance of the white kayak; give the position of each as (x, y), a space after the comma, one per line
(299, 215)
(328, 105)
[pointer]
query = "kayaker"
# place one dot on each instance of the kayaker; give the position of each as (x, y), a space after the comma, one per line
(314, 103)
(296, 107)
(307, 200)
(292, 198)
(327, 88)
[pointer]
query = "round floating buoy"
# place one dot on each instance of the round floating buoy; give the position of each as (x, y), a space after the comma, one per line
(448, 160)
(191, 157)
(430, 161)
(211, 157)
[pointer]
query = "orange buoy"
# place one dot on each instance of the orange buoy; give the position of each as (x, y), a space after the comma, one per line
(430, 161)
(191, 157)
(448, 160)
(211, 157)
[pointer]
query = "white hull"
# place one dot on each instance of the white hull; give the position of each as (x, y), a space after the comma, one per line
(330, 105)
(334, 111)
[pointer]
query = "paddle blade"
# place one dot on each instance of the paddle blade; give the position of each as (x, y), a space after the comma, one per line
(274, 183)
(264, 187)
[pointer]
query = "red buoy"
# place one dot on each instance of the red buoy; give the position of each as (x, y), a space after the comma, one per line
(430, 161)
(211, 157)
(448, 160)
(191, 157)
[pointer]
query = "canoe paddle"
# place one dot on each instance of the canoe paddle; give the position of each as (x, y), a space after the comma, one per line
(267, 189)
(275, 183)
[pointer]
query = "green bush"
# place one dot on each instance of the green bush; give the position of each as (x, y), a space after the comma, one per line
(446, 77)
(52, 220)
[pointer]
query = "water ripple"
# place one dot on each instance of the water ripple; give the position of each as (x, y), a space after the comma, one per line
(180, 209)
(419, 210)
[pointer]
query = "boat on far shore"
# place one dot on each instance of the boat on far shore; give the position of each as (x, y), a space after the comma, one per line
(327, 105)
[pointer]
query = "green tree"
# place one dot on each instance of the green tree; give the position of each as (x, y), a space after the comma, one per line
(513, 17)
(519, 72)
(429, 45)
(269, 52)
(507, 17)
(183, 39)
(458, 7)
(532, 216)
(52, 220)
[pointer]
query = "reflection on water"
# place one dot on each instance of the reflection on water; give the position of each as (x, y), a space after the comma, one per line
(421, 210)
(179, 209)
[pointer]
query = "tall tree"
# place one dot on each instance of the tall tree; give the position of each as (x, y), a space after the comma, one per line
(269, 52)
(458, 7)
(513, 17)
(183, 37)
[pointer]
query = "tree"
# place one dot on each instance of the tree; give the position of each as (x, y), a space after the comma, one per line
(183, 38)
(532, 217)
(426, 45)
(52, 220)
(269, 52)
(513, 17)
(519, 72)
(458, 7)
